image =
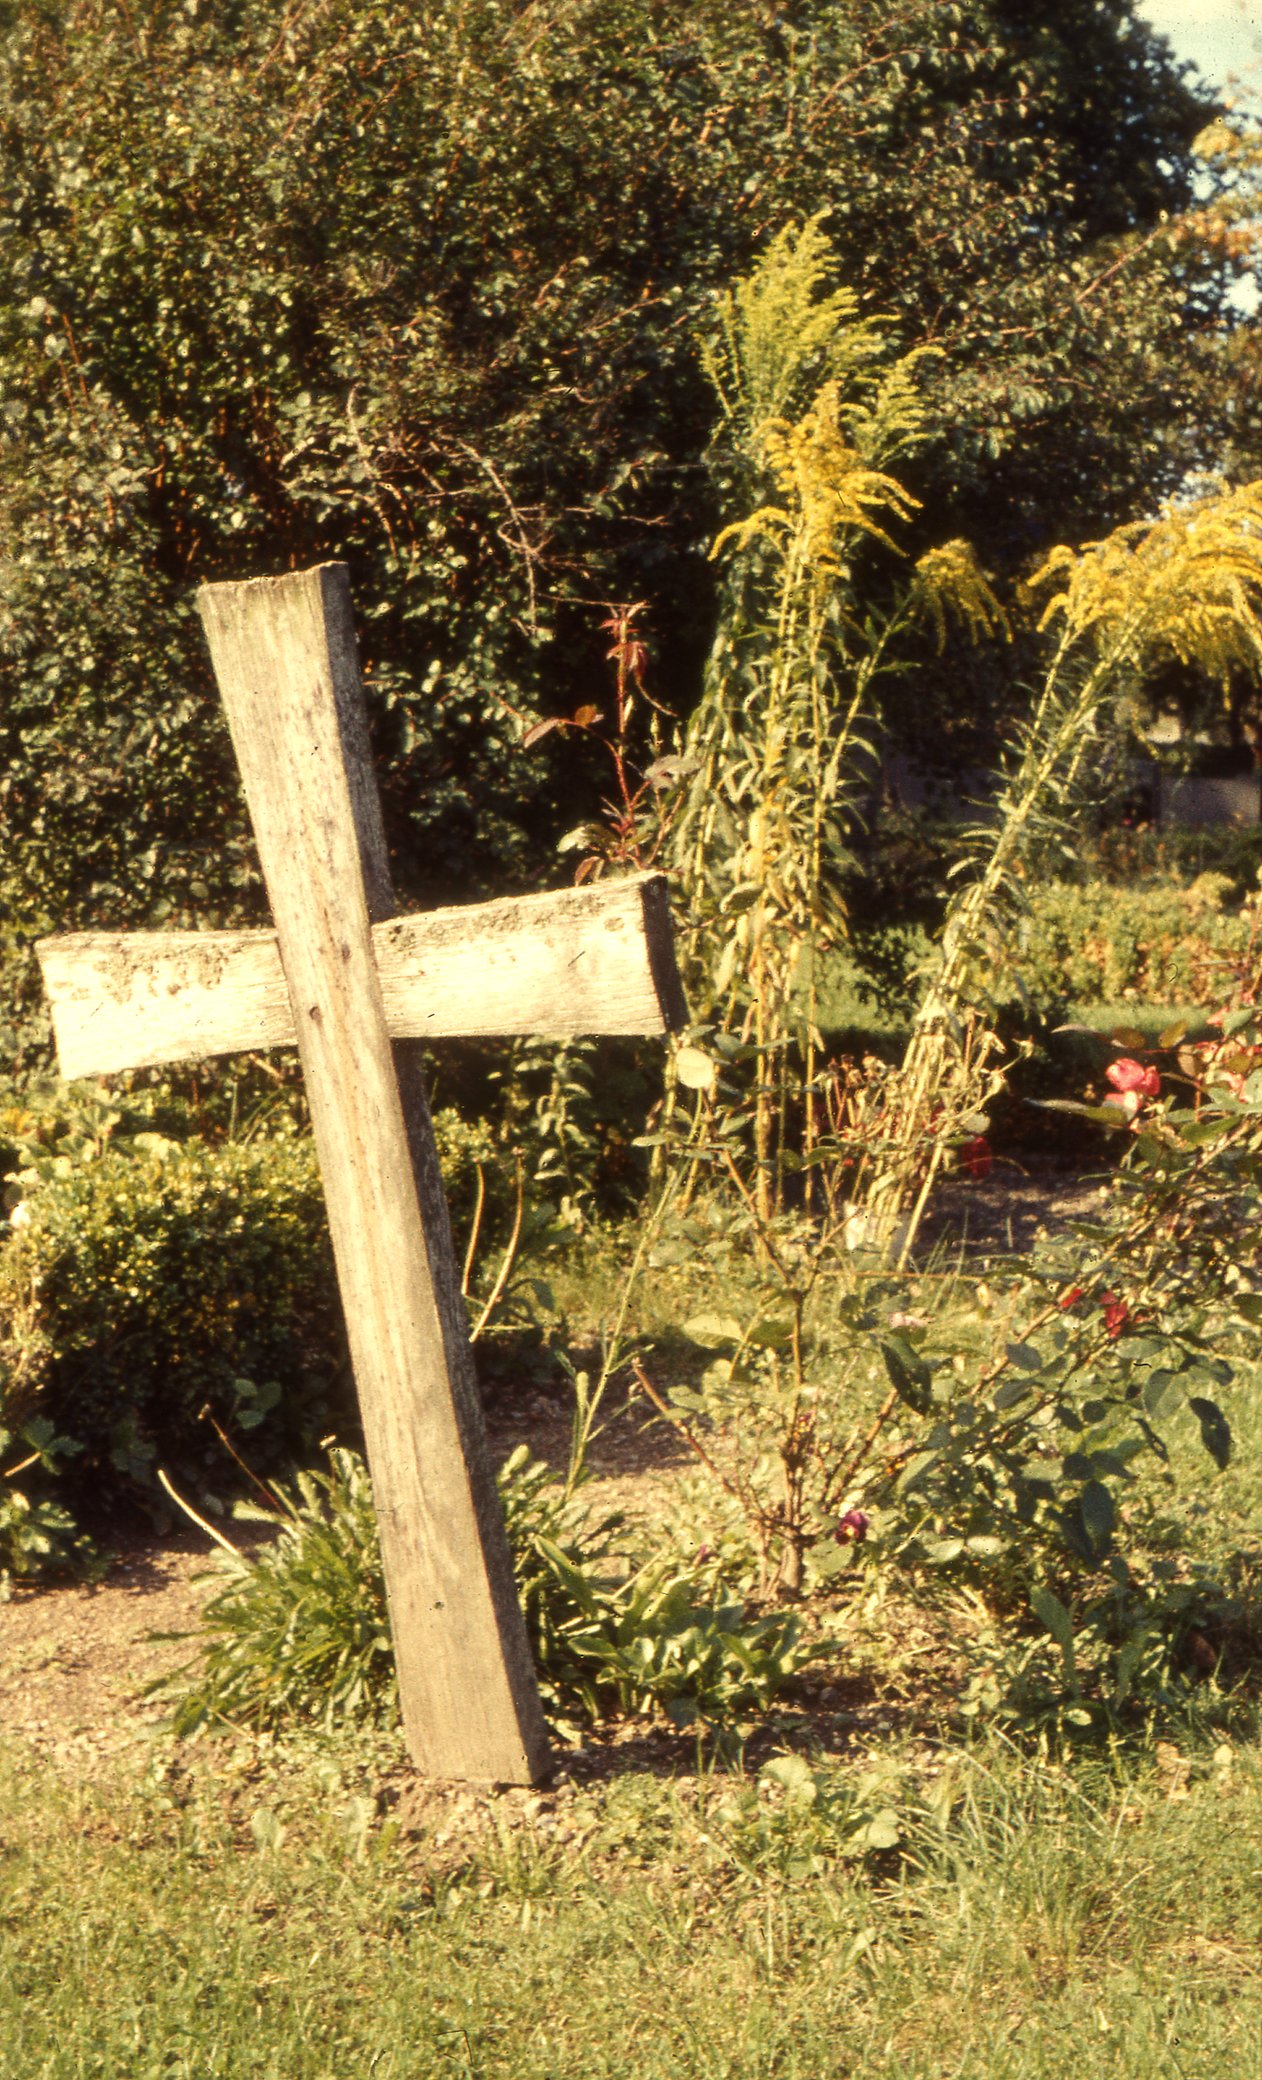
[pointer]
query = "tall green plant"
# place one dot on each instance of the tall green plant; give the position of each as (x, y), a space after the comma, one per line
(816, 406)
(1184, 589)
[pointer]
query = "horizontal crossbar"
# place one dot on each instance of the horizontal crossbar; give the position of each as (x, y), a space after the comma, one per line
(587, 960)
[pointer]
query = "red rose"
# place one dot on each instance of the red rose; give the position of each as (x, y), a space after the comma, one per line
(1116, 1314)
(1128, 1075)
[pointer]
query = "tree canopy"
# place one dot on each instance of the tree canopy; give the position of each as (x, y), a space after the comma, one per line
(422, 288)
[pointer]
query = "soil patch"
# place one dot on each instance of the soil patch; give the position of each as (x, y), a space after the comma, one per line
(75, 1658)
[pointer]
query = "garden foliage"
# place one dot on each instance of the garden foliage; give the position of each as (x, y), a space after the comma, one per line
(155, 1294)
(1161, 942)
(299, 1628)
(282, 284)
(168, 1299)
(1013, 1426)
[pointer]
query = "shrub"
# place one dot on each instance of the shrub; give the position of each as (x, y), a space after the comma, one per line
(1160, 941)
(37, 1536)
(160, 1281)
(148, 1282)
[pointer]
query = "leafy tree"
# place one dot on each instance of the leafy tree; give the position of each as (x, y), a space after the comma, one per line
(421, 289)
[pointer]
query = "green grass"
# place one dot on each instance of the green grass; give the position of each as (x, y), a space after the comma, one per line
(259, 1919)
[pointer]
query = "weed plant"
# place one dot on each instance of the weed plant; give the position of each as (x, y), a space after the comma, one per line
(299, 1628)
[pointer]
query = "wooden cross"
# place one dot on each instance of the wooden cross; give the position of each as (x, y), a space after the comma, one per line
(358, 988)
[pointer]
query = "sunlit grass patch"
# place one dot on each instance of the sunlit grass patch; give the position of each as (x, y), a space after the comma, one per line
(279, 1913)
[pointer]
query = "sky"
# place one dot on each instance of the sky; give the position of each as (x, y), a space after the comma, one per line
(1220, 37)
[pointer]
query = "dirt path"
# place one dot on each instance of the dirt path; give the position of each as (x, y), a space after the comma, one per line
(74, 1657)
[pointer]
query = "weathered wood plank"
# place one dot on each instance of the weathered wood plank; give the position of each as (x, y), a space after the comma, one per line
(284, 654)
(133, 1000)
(581, 960)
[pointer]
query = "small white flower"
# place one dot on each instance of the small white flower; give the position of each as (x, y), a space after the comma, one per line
(20, 1215)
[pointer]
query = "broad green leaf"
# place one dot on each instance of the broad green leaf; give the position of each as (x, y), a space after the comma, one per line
(1128, 1661)
(1162, 1396)
(712, 1331)
(1025, 1355)
(1051, 1612)
(268, 1830)
(883, 1832)
(687, 1399)
(1096, 1506)
(1199, 1133)
(771, 1335)
(794, 1774)
(940, 1551)
(1076, 1535)
(909, 1375)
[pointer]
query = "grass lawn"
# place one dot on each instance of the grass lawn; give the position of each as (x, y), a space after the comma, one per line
(264, 1918)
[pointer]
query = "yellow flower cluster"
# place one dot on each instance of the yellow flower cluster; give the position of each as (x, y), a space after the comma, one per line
(1185, 588)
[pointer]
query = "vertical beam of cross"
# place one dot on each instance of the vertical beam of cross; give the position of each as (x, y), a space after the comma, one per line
(285, 657)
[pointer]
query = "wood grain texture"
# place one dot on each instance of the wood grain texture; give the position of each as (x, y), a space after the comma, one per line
(284, 654)
(582, 960)
(133, 1000)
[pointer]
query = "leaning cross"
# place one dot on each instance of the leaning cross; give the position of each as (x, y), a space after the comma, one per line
(358, 987)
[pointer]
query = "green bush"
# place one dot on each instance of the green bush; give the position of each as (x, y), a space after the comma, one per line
(1164, 923)
(1159, 941)
(153, 1284)
(300, 1630)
